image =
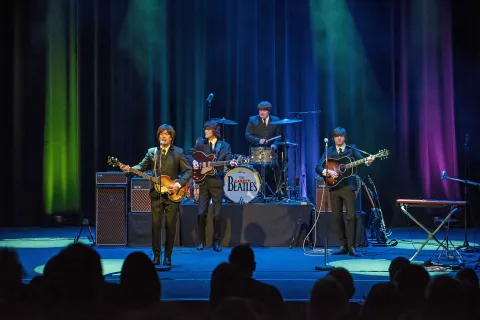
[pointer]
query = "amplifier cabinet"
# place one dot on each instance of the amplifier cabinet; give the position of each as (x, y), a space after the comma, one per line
(111, 177)
(111, 215)
(140, 195)
(326, 206)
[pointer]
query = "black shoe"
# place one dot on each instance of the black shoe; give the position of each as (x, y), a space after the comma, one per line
(216, 248)
(342, 250)
(156, 261)
(353, 252)
(167, 262)
(200, 247)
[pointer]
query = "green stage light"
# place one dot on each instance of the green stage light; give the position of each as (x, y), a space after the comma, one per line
(61, 136)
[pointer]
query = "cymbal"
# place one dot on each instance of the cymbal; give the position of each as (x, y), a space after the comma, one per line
(290, 144)
(286, 121)
(224, 121)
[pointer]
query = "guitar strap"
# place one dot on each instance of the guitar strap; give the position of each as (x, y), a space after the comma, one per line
(218, 146)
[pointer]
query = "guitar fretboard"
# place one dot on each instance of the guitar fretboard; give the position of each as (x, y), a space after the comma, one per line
(213, 164)
(355, 163)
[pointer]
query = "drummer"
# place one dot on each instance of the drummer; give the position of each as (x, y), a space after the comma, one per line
(258, 132)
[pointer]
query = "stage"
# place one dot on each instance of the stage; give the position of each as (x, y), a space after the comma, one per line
(291, 270)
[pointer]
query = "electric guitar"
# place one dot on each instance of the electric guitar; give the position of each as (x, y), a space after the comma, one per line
(207, 164)
(377, 224)
(345, 167)
(160, 184)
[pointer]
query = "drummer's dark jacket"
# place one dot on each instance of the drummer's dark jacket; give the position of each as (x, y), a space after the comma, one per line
(257, 130)
(223, 152)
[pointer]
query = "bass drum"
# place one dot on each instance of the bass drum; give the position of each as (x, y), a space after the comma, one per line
(241, 184)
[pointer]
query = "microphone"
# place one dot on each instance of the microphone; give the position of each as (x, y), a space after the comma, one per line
(162, 142)
(325, 140)
(210, 98)
(444, 175)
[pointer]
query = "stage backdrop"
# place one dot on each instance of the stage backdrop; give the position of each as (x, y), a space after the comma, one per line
(87, 79)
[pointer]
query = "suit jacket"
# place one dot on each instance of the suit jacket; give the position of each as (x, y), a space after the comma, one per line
(256, 130)
(174, 165)
(333, 154)
(223, 152)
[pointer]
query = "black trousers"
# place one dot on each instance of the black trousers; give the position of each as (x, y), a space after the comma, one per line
(346, 233)
(161, 206)
(210, 189)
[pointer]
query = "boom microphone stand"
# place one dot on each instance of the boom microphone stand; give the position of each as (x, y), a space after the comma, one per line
(465, 245)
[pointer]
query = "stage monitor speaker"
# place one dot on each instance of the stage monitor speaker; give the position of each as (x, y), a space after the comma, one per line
(326, 206)
(111, 215)
(140, 195)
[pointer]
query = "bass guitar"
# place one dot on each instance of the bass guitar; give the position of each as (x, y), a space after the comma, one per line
(345, 167)
(160, 184)
(207, 164)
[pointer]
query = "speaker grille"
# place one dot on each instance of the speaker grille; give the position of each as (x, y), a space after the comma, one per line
(111, 214)
(140, 200)
(326, 205)
(111, 178)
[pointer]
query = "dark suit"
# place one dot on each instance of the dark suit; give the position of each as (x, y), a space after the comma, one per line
(344, 193)
(175, 165)
(211, 188)
(257, 130)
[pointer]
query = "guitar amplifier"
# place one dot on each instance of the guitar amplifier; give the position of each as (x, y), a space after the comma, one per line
(322, 190)
(111, 178)
(111, 215)
(140, 195)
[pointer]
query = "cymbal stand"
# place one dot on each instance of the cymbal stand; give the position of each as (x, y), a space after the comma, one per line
(286, 179)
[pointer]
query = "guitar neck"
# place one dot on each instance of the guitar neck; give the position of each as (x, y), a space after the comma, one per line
(355, 163)
(217, 164)
(142, 174)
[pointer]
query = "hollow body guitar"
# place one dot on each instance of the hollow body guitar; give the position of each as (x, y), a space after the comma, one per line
(345, 167)
(207, 164)
(160, 184)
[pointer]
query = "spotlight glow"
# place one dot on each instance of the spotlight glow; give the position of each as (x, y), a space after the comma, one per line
(109, 266)
(25, 243)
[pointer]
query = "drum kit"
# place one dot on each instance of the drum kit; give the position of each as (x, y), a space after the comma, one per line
(244, 184)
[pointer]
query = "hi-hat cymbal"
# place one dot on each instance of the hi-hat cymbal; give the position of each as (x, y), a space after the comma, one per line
(287, 143)
(286, 121)
(224, 121)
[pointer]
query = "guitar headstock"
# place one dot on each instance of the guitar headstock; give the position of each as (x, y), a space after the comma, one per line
(382, 154)
(113, 162)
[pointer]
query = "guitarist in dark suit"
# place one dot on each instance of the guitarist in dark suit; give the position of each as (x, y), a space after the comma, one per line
(167, 160)
(343, 193)
(258, 131)
(211, 188)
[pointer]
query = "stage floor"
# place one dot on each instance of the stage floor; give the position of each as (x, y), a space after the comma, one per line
(290, 270)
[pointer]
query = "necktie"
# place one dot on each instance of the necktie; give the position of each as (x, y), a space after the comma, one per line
(339, 150)
(211, 147)
(164, 154)
(264, 121)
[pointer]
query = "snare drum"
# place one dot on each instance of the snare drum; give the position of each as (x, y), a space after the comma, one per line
(262, 155)
(241, 184)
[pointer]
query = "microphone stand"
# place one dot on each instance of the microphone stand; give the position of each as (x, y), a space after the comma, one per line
(326, 266)
(465, 245)
(161, 267)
